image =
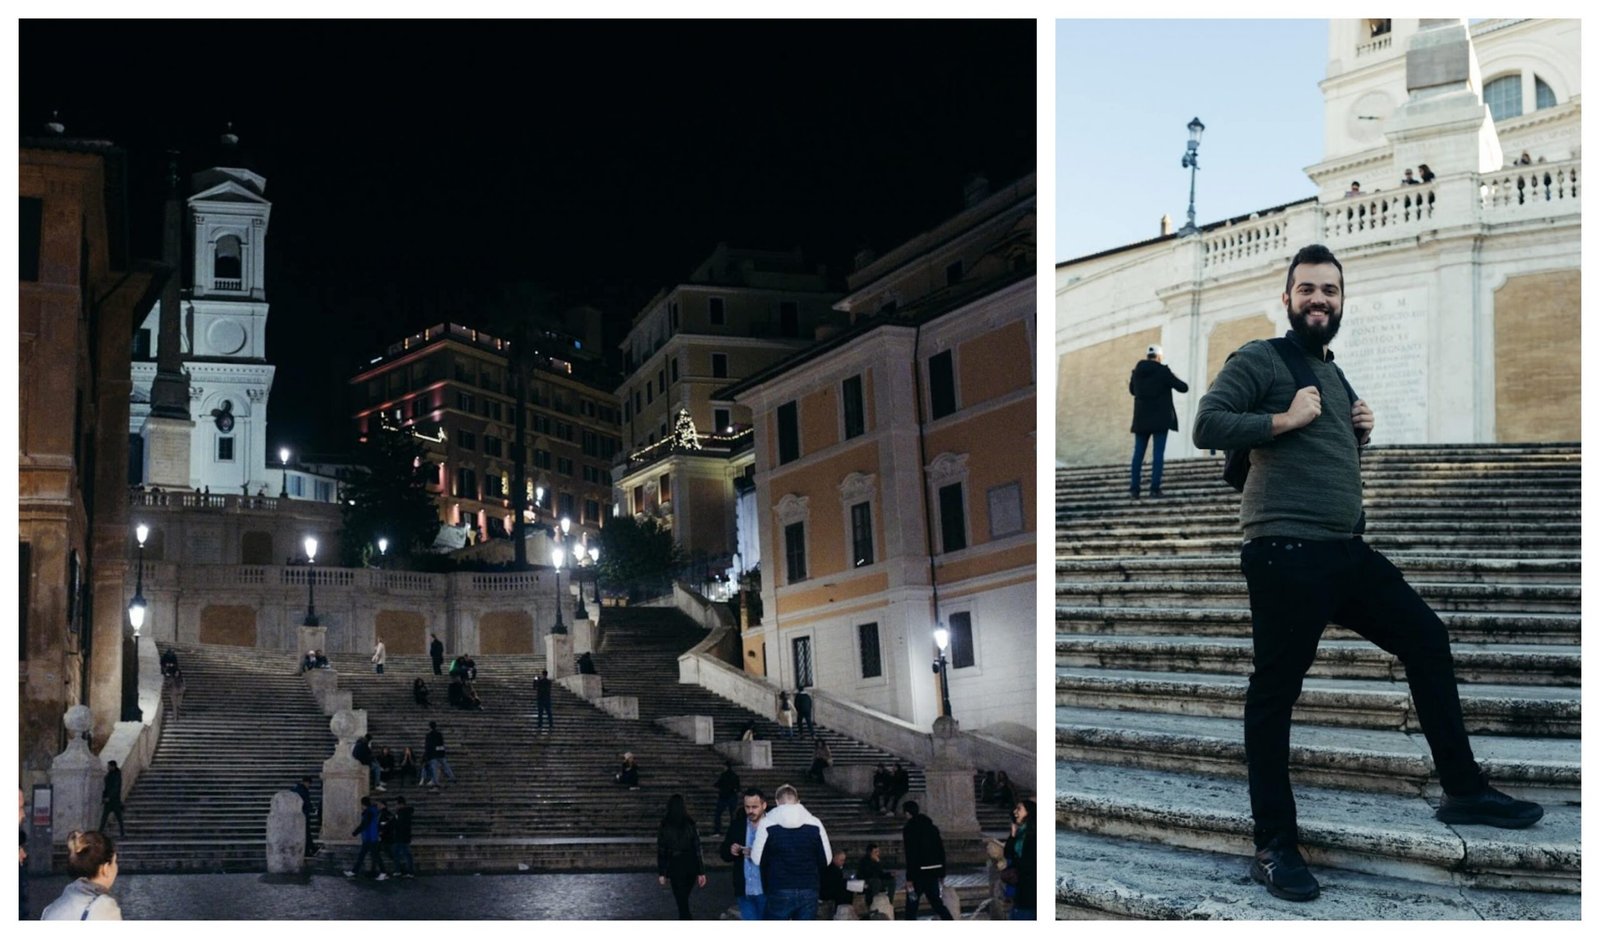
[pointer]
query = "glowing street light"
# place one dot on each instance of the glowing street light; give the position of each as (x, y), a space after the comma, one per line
(941, 667)
(311, 581)
(283, 460)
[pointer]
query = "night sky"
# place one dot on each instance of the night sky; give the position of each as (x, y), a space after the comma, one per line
(421, 171)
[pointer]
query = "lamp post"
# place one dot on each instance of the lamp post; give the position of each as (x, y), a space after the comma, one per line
(136, 612)
(383, 550)
(311, 581)
(594, 561)
(581, 612)
(556, 557)
(283, 460)
(1191, 162)
(941, 667)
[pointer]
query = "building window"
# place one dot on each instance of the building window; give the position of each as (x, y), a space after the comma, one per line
(297, 486)
(466, 440)
(1005, 510)
(492, 446)
(942, 383)
(141, 343)
(1504, 97)
(721, 420)
(871, 654)
(861, 534)
(855, 417)
(788, 432)
(464, 402)
(674, 371)
(649, 393)
(563, 466)
(961, 652)
(225, 449)
(952, 518)
(672, 316)
(719, 365)
(952, 273)
(803, 676)
(1543, 95)
(664, 487)
(566, 503)
(661, 380)
(714, 309)
(794, 550)
(466, 483)
(591, 512)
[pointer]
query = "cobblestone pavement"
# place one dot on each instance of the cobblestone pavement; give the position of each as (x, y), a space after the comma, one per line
(449, 896)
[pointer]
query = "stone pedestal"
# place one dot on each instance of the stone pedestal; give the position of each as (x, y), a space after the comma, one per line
(697, 728)
(322, 681)
(558, 655)
(313, 637)
(584, 636)
(344, 781)
(587, 687)
(950, 802)
(751, 754)
(77, 778)
(166, 449)
(286, 834)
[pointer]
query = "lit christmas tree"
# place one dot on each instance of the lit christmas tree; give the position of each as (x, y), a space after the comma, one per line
(683, 433)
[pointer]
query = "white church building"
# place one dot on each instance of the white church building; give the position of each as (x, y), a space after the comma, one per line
(1463, 311)
(224, 338)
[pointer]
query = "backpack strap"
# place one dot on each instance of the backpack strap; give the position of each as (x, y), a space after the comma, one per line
(1301, 372)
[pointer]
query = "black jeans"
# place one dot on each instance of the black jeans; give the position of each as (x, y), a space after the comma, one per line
(1297, 587)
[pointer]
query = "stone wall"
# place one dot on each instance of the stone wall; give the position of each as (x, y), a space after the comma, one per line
(1093, 401)
(1538, 364)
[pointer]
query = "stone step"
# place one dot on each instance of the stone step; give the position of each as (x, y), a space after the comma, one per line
(1529, 710)
(1110, 878)
(1529, 598)
(1377, 833)
(1336, 658)
(1539, 768)
(1225, 567)
(1521, 628)
(1390, 544)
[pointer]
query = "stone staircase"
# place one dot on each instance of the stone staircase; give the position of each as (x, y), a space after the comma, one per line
(1153, 656)
(248, 728)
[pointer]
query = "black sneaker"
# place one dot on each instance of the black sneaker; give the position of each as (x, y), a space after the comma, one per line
(1157, 494)
(1284, 873)
(1489, 807)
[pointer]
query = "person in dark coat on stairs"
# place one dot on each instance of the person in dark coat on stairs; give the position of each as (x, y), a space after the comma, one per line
(924, 848)
(1306, 564)
(436, 653)
(1152, 384)
(544, 714)
(678, 854)
(727, 797)
(111, 799)
(802, 710)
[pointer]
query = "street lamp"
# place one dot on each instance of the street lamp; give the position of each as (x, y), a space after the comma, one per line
(1191, 162)
(556, 557)
(941, 638)
(383, 550)
(136, 611)
(311, 581)
(594, 559)
(283, 460)
(581, 612)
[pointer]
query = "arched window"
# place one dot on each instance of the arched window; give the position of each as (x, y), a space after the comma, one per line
(228, 264)
(1543, 95)
(1504, 97)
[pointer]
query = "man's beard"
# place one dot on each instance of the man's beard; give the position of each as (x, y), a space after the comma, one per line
(1314, 337)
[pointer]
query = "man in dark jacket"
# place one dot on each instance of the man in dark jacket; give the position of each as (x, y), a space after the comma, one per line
(792, 850)
(436, 652)
(544, 715)
(802, 711)
(1152, 385)
(367, 828)
(111, 799)
(303, 790)
(736, 849)
(924, 862)
(727, 797)
(400, 839)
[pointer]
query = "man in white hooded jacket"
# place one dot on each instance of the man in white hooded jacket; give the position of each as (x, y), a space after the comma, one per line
(792, 849)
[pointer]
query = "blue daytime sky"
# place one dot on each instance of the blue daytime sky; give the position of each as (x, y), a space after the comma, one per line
(1125, 93)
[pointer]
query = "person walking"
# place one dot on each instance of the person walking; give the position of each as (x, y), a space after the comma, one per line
(792, 849)
(380, 655)
(400, 839)
(924, 851)
(175, 687)
(92, 859)
(785, 714)
(1021, 854)
(678, 860)
(802, 711)
(371, 847)
(436, 653)
(1306, 564)
(361, 751)
(727, 785)
(821, 759)
(111, 799)
(543, 714)
(736, 848)
(1152, 384)
(434, 760)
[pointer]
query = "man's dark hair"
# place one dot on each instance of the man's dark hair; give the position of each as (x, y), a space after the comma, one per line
(755, 791)
(1312, 254)
(912, 808)
(366, 800)
(872, 846)
(305, 779)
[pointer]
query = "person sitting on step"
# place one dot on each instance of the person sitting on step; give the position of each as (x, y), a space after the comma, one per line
(629, 774)
(419, 692)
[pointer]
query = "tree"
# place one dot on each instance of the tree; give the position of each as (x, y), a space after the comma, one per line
(388, 498)
(636, 553)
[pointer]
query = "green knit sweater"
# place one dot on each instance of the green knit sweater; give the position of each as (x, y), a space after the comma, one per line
(1305, 483)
